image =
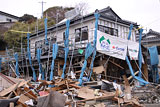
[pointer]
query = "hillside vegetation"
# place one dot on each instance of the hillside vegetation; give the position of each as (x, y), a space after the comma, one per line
(29, 23)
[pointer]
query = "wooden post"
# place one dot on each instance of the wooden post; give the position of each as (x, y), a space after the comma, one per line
(144, 66)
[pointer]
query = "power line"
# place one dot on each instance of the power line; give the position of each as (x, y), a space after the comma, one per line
(42, 2)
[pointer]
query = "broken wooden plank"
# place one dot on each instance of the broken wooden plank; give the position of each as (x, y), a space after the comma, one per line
(98, 70)
(23, 98)
(10, 89)
(13, 90)
(116, 64)
(29, 93)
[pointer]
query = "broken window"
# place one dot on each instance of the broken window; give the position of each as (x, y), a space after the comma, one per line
(108, 30)
(81, 34)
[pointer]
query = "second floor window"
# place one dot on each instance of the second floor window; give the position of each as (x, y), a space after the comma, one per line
(81, 34)
(108, 30)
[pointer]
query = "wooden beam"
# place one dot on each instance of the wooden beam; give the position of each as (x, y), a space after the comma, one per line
(116, 64)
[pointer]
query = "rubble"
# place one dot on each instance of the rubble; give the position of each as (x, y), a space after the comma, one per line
(67, 93)
(97, 78)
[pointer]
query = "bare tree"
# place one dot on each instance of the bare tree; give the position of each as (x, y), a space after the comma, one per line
(82, 8)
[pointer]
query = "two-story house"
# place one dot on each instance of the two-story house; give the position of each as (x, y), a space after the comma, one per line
(81, 32)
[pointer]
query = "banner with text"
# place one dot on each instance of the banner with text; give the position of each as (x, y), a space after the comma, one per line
(111, 45)
(133, 49)
(116, 47)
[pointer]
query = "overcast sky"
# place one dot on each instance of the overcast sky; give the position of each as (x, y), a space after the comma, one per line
(144, 12)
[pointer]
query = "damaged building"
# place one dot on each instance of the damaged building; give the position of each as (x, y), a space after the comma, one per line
(92, 60)
(81, 32)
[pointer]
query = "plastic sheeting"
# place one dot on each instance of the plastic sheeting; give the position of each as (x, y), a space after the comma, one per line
(132, 72)
(17, 65)
(129, 64)
(54, 55)
(45, 23)
(66, 49)
(153, 55)
(130, 31)
(29, 57)
(94, 44)
(39, 62)
(88, 51)
(140, 53)
(154, 60)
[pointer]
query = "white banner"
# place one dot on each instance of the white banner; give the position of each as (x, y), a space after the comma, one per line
(111, 45)
(133, 49)
(116, 47)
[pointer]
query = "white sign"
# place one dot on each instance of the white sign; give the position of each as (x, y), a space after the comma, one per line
(111, 45)
(133, 49)
(116, 47)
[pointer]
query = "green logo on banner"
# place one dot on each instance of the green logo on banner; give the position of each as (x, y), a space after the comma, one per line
(108, 41)
(103, 38)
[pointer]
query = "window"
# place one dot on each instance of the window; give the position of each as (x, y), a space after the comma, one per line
(9, 20)
(108, 30)
(63, 35)
(81, 34)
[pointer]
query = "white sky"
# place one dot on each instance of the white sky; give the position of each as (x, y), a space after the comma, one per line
(144, 12)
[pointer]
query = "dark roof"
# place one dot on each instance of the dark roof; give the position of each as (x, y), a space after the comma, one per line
(151, 32)
(9, 15)
(113, 17)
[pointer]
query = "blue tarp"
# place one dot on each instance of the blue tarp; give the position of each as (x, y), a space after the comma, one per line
(153, 55)
(89, 50)
(17, 66)
(129, 64)
(154, 60)
(94, 44)
(39, 62)
(140, 53)
(66, 49)
(29, 57)
(54, 55)
(45, 23)
(132, 72)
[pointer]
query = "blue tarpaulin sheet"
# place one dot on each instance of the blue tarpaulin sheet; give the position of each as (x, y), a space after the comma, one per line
(29, 57)
(54, 54)
(153, 55)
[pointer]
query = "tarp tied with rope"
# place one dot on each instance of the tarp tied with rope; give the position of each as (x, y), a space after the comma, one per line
(154, 60)
(17, 65)
(29, 57)
(54, 55)
(94, 44)
(39, 62)
(140, 52)
(89, 50)
(45, 23)
(66, 49)
(129, 64)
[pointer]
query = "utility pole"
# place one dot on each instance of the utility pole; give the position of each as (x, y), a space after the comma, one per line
(42, 7)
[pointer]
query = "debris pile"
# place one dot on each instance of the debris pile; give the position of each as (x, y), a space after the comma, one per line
(66, 92)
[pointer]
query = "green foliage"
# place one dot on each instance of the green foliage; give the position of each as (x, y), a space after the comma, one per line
(27, 18)
(29, 23)
(13, 39)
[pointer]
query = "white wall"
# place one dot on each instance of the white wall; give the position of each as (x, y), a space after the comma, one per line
(122, 33)
(123, 30)
(59, 35)
(4, 19)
